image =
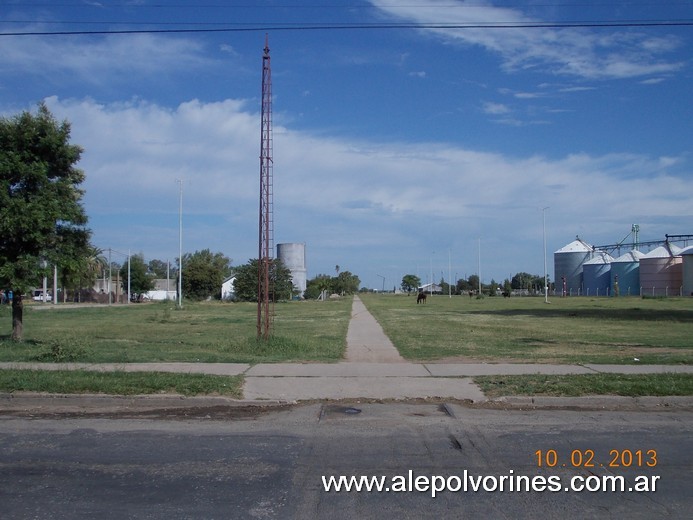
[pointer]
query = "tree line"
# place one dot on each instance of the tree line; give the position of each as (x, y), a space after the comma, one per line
(525, 282)
(43, 225)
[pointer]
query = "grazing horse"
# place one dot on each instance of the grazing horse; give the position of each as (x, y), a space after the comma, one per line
(421, 298)
(506, 294)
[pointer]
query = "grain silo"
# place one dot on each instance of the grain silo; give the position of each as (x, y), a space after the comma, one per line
(661, 271)
(625, 274)
(687, 257)
(293, 256)
(567, 264)
(596, 274)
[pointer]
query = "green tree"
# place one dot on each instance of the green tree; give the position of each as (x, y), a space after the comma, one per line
(316, 286)
(410, 282)
(473, 282)
(42, 221)
(346, 283)
(160, 269)
(82, 271)
(203, 274)
(246, 283)
(141, 280)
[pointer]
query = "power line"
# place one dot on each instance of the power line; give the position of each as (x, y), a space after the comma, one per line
(378, 26)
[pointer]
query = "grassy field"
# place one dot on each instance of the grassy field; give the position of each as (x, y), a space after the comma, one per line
(567, 330)
(119, 383)
(527, 330)
(587, 384)
(204, 332)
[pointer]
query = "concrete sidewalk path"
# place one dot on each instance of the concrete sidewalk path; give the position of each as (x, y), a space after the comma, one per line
(313, 381)
(372, 369)
(366, 341)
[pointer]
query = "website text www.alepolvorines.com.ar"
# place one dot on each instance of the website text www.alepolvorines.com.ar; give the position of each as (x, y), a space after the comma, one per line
(469, 483)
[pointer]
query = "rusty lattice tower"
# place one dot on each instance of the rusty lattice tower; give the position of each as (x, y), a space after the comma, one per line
(266, 226)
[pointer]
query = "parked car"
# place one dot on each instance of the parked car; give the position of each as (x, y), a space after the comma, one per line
(37, 296)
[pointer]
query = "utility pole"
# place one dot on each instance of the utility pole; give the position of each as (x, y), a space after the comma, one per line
(180, 243)
(546, 276)
(265, 241)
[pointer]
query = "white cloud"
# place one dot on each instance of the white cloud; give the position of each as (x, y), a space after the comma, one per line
(349, 200)
(569, 51)
(496, 108)
(102, 60)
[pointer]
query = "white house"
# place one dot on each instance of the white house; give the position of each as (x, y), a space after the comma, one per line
(163, 290)
(431, 288)
(227, 289)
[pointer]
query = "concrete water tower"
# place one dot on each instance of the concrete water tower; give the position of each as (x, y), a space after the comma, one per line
(293, 256)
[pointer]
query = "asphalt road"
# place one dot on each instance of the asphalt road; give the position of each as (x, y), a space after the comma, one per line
(270, 464)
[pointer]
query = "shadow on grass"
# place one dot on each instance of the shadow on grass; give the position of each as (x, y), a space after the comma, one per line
(632, 314)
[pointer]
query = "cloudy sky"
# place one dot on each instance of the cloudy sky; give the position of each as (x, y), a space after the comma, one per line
(410, 136)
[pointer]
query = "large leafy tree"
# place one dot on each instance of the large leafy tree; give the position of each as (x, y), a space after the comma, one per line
(42, 221)
(317, 285)
(246, 284)
(203, 274)
(141, 280)
(410, 282)
(160, 269)
(82, 271)
(346, 283)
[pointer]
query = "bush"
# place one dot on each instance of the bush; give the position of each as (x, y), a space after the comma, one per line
(64, 349)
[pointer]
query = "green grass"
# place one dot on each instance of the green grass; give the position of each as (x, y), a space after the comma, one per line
(204, 332)
(118, 383)
(567, 330)
(587, 384)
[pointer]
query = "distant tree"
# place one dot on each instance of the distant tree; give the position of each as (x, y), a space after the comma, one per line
(473, 282)
(141, 280)
(346, 283)
(203, 274)
(317, 285)
(522, 281)
(42, 221)
(246, 284)
(462, 286)
(160, 269)
(493, 288)
(82, 271)
(410, 282)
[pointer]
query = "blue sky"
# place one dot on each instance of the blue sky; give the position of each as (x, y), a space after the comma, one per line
(396, 150)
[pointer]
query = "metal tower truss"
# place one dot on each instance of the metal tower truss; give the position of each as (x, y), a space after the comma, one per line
(265, 303)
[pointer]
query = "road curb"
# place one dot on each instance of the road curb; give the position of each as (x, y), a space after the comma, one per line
(596, 402)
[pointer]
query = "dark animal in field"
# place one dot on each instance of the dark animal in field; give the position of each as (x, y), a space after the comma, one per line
(506, 294)
(471, 293)
(421, 298)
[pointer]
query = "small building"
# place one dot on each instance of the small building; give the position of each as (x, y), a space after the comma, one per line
(228, 291)
(431, 288)
(164, 289)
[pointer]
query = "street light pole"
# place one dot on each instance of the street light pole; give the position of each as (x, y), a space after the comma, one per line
(180, 245)
(546, 282)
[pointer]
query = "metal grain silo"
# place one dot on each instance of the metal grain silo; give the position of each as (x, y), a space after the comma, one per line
(661, 271)
(567, 263)
(596, 274)
(293, 256)
(625, 274)
(687, 257)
